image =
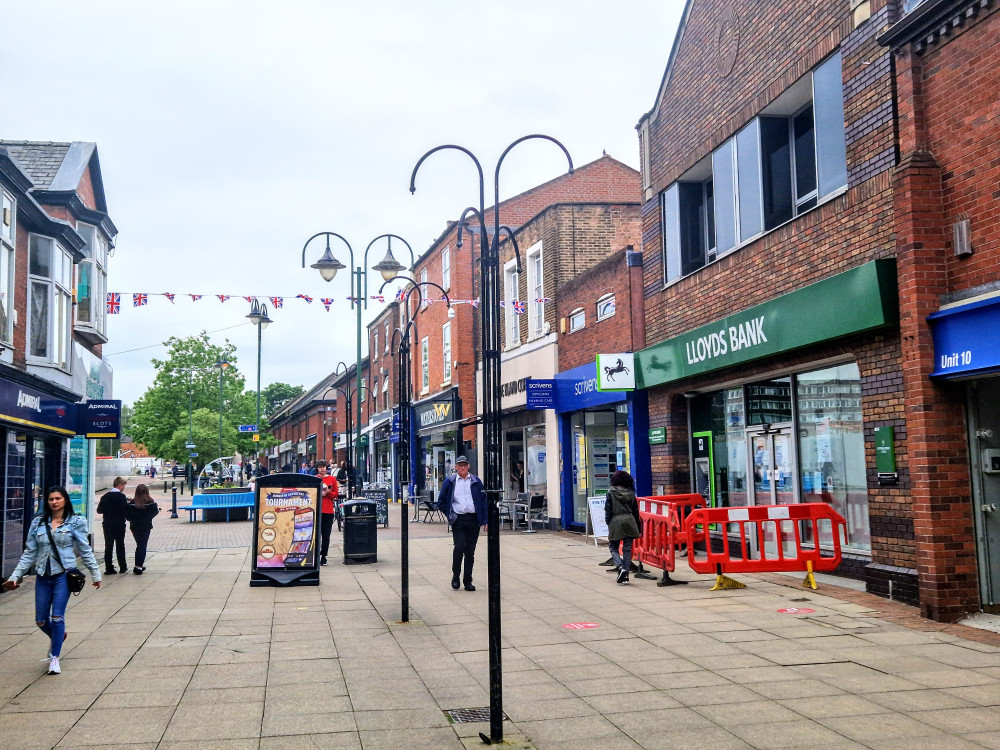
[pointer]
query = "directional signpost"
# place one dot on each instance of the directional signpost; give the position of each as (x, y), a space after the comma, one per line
(248, 428)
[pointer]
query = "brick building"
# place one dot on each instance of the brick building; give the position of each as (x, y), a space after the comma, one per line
(55, 239)
(947, 246)
(445, 351)
(774, 361)
(383, 344)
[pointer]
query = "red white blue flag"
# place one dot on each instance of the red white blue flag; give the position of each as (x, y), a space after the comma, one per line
(114, 303)
(170, 296)
(196, 297)
(222, 297)
(277, 302)
(400, 295)
(379, 297)
(327, 301)
(520, 308)
(305, 297)
(139, 299)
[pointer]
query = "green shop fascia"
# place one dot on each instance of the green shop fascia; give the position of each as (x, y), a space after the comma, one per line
(788, 438)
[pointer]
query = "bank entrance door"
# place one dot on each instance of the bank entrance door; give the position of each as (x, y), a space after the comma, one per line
(984, 426)
(772, 462)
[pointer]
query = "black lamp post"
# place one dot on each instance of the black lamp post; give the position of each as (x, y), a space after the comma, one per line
(388, 267)
(489, 272)
(404, 387)
(222, 363)
(258, 316)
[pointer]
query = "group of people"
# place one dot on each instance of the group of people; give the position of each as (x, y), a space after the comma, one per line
(117, 511)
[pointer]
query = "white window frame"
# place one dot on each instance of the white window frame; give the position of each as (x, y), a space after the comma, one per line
(446, 268)
(388, 338)
(423, 290)
(512, 321)
(536, 291)
(604, 309)
(446, 352)
(57, 347)
(425, 364)
(577, 320)
(375, 345)
(8, 253)
(98, 260)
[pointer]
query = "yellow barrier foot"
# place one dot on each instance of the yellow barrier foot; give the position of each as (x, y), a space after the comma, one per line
(810, 579)
(725, 582)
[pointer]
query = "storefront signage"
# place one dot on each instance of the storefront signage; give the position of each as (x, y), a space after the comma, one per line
(100, 419)
(966, 339)
(513, 387)
(26, 406)
(577, 389)
(657, 435)
(541, 394)
(394, 430)
(438, 411)
(616, 372)
(862, 299)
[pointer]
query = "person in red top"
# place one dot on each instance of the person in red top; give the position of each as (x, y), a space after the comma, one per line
(329, 508)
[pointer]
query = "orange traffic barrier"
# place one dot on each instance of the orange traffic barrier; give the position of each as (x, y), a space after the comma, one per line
(767, 539)
(663, 531)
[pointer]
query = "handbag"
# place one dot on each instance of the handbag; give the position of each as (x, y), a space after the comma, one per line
(75, 579)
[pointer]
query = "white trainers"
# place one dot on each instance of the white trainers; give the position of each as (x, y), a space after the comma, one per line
(54, 665)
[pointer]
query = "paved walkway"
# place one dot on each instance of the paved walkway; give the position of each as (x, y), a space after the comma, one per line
(189, 656)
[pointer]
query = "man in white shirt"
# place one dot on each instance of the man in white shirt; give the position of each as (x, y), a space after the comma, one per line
(463, 500)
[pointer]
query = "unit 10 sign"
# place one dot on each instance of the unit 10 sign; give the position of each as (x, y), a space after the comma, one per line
(958, 359)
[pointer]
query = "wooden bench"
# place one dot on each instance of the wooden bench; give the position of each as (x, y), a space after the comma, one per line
(226, 502)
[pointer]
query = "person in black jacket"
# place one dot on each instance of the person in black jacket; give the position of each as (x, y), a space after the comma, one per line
(140, 514)
(621, 511)
(463, 501)
(112, 508)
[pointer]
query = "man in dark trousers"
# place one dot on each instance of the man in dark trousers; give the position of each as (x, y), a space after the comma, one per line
(463, 500)
(112, 507)
(328, 510)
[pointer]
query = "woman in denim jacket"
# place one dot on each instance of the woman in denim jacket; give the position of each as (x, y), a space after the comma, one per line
(69, 532)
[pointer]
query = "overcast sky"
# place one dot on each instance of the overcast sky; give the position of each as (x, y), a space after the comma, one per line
(231, 131)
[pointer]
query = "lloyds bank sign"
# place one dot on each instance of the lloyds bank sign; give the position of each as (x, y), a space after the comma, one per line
(862, 299)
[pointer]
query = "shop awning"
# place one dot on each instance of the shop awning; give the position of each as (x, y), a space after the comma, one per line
(375, 425)
(966, 338)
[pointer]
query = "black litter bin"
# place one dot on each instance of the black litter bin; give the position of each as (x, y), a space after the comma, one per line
(360, 541)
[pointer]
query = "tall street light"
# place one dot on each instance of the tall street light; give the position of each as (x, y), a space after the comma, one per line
(388, 267)
(258, 316)
(489, 265)
(404, 387)
(222, 363)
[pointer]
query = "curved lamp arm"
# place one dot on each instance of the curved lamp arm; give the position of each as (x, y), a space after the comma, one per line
(479, 168)
(390, 237)
(327, 235)
(496, 176)
(461, 223)
(504, 229)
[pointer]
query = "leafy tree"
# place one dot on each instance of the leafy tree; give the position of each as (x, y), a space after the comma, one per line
(276, 395)
(189, 375)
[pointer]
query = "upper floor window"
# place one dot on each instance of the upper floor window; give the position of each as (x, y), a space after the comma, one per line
(536, 293)
(375, 345)
(512, 325)
(446, 268)
(7, 218)
(909, 5)
(92, 281)
(780, 165)
(388, 338)
(425, 363)
(423, 280)
(446, 351)
(606, 306)
(50, 270)
(577, 319)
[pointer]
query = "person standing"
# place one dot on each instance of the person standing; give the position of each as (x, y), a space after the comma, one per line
(55, 538)
(152, 472)
(140, 514)
(112, 508)
(328, 509)
(621, 511)
(342, 478)
(463, 501)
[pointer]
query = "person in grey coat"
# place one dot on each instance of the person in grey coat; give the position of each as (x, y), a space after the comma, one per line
(621, 511)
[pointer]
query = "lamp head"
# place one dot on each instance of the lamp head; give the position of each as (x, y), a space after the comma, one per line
(389, 267)
(328, 265)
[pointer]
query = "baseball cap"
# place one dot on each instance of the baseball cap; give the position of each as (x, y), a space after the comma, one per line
(461, 460)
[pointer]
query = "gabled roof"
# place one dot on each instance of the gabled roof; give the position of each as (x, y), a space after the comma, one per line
(678, 36)
(42, 161)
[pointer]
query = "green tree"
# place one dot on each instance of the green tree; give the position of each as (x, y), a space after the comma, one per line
(276, 395)
(189, 375)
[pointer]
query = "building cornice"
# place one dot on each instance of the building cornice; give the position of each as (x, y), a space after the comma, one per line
(934, 22)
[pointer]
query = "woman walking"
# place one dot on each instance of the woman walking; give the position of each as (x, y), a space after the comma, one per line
(140, 514)
(621, 511)
(55, 538)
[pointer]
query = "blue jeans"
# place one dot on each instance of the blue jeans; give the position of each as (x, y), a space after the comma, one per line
(51, 597)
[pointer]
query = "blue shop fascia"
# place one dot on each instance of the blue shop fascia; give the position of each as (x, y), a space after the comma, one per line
(599, 432)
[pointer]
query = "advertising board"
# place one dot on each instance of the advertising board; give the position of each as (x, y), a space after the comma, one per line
(286, 530)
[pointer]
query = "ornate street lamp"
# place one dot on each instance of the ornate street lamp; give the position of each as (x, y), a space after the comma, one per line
(222, 363)
(258, 316)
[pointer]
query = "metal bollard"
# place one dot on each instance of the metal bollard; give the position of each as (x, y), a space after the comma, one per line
(173, 502)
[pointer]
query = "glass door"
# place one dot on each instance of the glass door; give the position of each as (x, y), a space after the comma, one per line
(774, 483)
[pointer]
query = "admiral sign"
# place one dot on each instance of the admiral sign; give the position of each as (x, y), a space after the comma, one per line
(23, 405)
(100, 419)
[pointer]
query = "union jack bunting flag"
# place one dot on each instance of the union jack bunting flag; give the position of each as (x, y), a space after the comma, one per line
(114, 303)
(196, 297)
(520, 308)
(543, 300)
(474, 303)
(249, 299)
(379, 297)
(327, 301)
(400, 295)
(305, 297)
(222, 297)
(277, 302)
(139, 299)
(169, 296)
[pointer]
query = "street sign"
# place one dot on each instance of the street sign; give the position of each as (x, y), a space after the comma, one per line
(256, 438)
(248, 428)
(192, 455)
(190, 446)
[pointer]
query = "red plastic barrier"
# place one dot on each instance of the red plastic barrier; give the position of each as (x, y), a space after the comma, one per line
(768, 538)
(663, 528)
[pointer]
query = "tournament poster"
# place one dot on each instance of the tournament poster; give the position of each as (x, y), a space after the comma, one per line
(286, 527)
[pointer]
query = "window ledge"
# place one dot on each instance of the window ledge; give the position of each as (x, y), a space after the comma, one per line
(89, 333)
(445, 383)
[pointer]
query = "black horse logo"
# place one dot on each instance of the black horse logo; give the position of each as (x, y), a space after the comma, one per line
(610, 372)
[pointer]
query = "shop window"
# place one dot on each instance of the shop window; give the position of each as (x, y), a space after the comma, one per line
(736, 448)
(606, 306)
(577, 320)
(50, 270)
(783, 163)
(7, 244)
(425, 364)
(446, 268)
(832, 447)
(446, 352)
(92, 283)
